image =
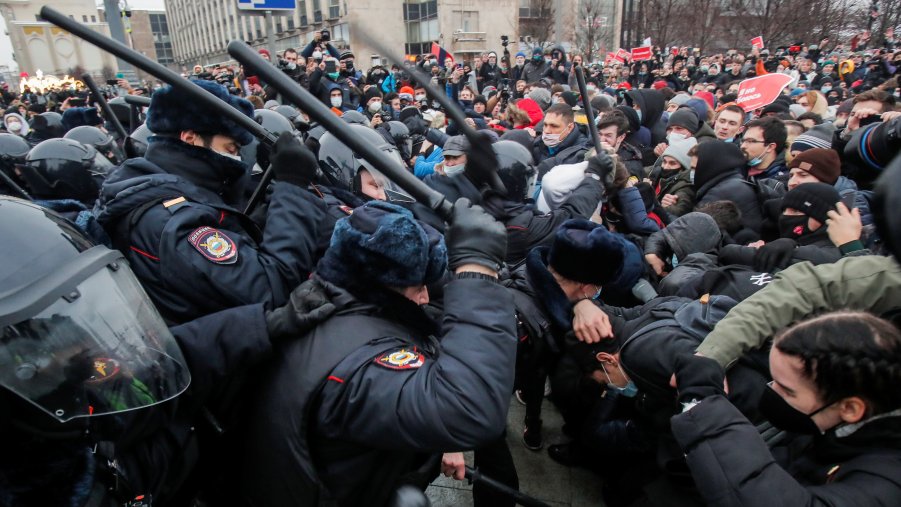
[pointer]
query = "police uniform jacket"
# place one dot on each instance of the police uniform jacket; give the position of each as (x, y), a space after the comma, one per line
(368, 392)
(173, 213)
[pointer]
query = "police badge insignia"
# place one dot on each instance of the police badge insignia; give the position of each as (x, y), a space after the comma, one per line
(214, 245)
(104, 369)
(401, 359)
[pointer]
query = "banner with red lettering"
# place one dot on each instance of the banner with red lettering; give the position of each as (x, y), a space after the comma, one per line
(757, 42)
(761, 91)
(642, 53)
(621, 55)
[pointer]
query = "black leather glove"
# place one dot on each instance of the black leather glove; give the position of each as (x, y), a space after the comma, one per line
(417, 125)
(774, 255)
(698, 377)
(474, 237)
(309, 304)
(482, 165)
(292, 162)
(602, 166)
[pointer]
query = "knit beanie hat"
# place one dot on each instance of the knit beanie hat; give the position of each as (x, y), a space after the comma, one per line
(820, 136)
(370, 93)
(684, 117)
(586, 252)
(679, 99)
(381, 243)
(813, 199)
(822, 163)
(541, 96)
(679, 151)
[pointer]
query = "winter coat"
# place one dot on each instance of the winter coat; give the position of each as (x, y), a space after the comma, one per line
(635, 215)
(867, 282)
(571, 150)
(680, 185)
(425, 165)
(370, 388)
(732, 465)
(652, 105)
(173, 214)
(717, 178)
(533, 72)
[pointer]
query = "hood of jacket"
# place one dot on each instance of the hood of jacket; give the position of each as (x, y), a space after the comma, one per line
(716, 159)
(844, 184)
(651, 103)
(547, 290)
(693, 233)
(171, 168)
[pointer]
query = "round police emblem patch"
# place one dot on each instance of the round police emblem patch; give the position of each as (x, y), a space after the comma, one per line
(214, 245)
(401, 359)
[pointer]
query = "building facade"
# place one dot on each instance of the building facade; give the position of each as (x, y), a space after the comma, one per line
(201, 29)
(39, 45)
(147, 32)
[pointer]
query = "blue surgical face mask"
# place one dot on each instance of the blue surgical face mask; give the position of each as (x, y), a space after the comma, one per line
(639, 114)
(630, 390)
(754, 162)
(731, 139)
(691, 175)
(826, 89)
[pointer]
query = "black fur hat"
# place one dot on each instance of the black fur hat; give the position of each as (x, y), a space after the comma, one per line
(171, 112)
(586, 252)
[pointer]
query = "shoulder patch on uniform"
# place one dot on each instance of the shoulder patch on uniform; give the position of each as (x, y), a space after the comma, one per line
(346, 209)
(214, 245)
(400, 359)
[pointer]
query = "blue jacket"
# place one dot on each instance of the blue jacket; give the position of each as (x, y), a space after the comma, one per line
(426, 165)
(635, 215)
(199, 254)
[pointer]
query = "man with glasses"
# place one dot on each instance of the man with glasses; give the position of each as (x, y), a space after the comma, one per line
(763, 146)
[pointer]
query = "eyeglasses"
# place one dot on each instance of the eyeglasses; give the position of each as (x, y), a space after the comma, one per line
(752, 141)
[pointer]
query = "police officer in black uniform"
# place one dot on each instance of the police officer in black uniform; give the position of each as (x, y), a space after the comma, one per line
(99, 400)
(369, 394)
(175, 212)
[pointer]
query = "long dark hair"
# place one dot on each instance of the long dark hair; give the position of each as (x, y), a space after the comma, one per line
(849, 353)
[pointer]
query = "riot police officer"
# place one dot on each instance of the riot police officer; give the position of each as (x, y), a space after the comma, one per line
(176, 212)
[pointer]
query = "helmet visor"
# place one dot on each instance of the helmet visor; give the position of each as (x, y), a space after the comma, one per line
(101, 348)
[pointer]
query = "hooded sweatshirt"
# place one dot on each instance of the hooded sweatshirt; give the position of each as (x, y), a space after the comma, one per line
(717, 178)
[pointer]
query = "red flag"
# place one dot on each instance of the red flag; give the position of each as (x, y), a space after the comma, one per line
(441, 54)
(757, 42)
(642, 53)
(761, 91)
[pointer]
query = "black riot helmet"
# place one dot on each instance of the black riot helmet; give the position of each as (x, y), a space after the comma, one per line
(342, 166)
(355, 118)
(137, 142)
(13, 150)
(47, 125)
(515, 168)
(93, 136)
(81, 345)
(121, 110)
(65, 169)
(294, 116)
(273, 121)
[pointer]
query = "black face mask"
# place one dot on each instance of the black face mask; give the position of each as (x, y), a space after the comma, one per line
(785, 417)
(349, 66)
(793, 226)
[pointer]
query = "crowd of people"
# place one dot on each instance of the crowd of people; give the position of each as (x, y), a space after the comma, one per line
(706, 294)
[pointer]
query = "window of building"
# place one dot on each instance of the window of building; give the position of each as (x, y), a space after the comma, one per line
(84, 18)
(534, 9)
(93, 19)
(421, 19)
(467, 21)
(334, 9)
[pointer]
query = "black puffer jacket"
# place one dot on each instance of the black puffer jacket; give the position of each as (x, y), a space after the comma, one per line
(652, 105)
(717, 178)
(732, 465)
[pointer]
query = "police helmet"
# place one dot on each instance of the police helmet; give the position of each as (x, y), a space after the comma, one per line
(92, 136)
(137, 142)
(80, 342)
(273, 121)
(342, 166)
(13, 150)
(121, 109)
(515, 168)
(355, 118)
(47, 125)
(294, 116)
(65, 169)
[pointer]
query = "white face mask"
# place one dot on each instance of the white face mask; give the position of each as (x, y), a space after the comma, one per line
(317, 55)
(551, 140)
(291, 65)
(336, 101)
(454, 169)
(13, 126)
(375, 107)
(236, 158)
(673, 137)
(420, 97)
(691, 175)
